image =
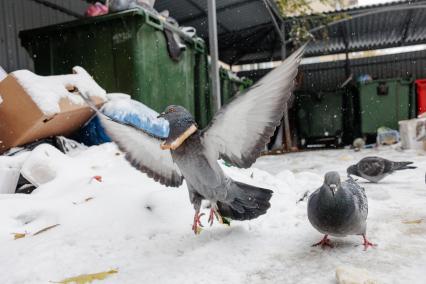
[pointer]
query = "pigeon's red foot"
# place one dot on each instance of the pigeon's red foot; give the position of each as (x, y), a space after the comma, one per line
(325, 242)
(367, 243)
(196, 226)
(214, 213)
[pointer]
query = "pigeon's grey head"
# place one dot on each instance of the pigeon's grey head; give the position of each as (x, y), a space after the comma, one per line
(179, 120)
(332, 182)
(352, 170)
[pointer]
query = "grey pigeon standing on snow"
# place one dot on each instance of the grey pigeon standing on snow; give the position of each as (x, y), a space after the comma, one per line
(375, 169)
(338, 209)
(237, 134)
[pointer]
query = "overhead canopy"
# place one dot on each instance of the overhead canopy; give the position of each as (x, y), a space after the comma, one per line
(247, 34)
(367, 28)
(246, 31)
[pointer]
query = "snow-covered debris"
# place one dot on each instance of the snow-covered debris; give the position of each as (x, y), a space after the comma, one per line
(128, 222)
(9, 172)
(352, 275)
(40, 167)
(47, 91)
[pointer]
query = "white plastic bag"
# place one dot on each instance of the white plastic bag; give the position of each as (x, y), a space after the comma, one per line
(8, 179)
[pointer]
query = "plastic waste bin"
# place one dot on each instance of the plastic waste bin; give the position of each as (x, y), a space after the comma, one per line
(320, 118)
(385, 102)
(231, 84)
(421, 96)
(128, 52)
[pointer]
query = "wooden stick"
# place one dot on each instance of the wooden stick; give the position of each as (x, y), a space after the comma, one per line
(175, 144)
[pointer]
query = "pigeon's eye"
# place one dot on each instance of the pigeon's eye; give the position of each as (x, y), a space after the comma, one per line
(171, 109)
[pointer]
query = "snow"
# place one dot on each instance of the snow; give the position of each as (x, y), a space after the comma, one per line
(47, 91)
(143, 229)
(3, 74)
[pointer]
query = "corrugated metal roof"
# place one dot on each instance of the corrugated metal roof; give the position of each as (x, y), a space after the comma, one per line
(17, 15)
(246, 33)
(388, 25)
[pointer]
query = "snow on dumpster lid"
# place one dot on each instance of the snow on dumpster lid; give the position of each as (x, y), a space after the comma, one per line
(47, 91)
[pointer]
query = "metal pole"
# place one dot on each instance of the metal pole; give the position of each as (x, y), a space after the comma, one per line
(214, 53)
(287, 133)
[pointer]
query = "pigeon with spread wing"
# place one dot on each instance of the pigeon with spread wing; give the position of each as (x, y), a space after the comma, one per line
(237, 134)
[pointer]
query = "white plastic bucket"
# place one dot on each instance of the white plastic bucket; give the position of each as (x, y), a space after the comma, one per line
(410, 131)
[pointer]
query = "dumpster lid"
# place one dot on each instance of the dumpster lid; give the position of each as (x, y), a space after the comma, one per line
(157, 21)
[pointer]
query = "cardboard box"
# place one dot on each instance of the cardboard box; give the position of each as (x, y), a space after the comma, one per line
(22, 121)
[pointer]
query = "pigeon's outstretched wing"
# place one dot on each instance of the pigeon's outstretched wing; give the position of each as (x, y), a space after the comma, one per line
(142, 150)
(240, 130)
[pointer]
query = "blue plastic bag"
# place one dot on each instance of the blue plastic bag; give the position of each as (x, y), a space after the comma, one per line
(123, 109)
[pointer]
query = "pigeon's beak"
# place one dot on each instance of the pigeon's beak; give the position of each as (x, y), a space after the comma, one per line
(161, 115)
(333, 188)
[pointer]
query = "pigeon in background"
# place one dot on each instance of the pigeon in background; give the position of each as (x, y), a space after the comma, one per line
(338, 209)
(375, 169)
(237, 134)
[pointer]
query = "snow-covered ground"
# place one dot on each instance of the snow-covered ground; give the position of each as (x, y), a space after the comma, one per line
(130, 223)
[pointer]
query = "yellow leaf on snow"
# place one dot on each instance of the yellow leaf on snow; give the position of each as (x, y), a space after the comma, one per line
(45, 229)
(418, 221)
(345, 158)
(19, 235)
(88, 278)
(84, 201)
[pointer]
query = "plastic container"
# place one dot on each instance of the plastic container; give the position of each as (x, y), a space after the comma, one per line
(410, 131)
(320, 118)
(385, 102)
(421, 96)
(387, 136)
(231, 84)
(127, 52)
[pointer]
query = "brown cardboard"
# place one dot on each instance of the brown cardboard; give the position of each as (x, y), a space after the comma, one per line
(21, 121)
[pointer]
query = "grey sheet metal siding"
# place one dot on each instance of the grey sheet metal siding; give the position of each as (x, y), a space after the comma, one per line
(17, 15)
(329, 75)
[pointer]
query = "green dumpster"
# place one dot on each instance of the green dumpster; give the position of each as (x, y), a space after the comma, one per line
(319, 118)
(231, 84)
(127, 52)
(384, 103)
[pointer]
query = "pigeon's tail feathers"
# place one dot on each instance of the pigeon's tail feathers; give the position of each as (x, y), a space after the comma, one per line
(250, 202)
(397, 166)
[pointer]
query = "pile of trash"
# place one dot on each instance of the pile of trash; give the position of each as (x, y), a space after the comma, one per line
(42, 117)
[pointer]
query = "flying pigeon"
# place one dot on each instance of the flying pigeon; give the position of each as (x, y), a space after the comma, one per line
(237, 134)
(338, 209)
(375, 169)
